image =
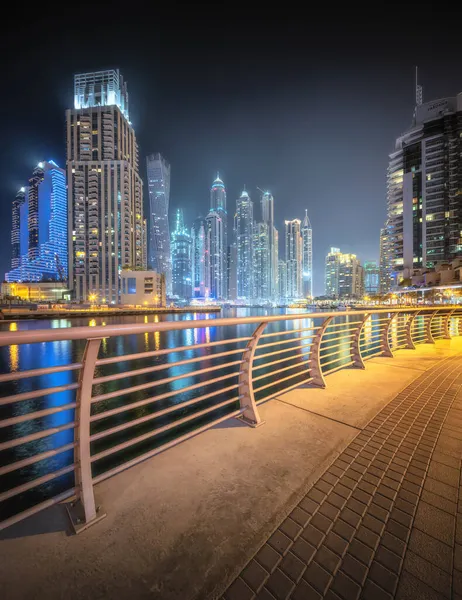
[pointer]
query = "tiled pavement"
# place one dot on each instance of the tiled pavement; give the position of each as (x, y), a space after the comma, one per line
(385, 520)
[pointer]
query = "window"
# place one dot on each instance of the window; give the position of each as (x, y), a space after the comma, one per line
(131, 284)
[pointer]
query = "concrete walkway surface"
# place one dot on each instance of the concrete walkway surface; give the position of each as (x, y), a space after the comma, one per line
(185, 524)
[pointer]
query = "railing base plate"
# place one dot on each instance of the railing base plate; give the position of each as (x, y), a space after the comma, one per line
(77, 517)
(250, 423)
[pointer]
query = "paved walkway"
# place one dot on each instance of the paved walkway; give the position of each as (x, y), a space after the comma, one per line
(385, 520)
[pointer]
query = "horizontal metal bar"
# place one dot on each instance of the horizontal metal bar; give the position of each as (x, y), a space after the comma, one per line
(332, 325)
(132, 405)
(175, 442)
(329, 362)
(16, 375)
(337, 368)
(372, 355)
(37, 508)
(275, 362)
(37, 393)
(149, 434)
(267, 375)
(78, 333)
(37, 414)
(19, 464)
(289, 331)
(297, 339)
(35, 436)
(20, 489)
(278, 352)
(139, 355)
(262, 387)
(158, 382)
(178, 363)
(284, 391)
(346, 341)
(338, 333)
(159, 413)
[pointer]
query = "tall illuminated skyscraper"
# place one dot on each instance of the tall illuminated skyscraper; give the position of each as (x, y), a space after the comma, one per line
(105, 191)
(267, 211)
(159, 258)
(217, 242)
(344, 275)
(307, 258)
(261, 258)
(371, 277)
(244, 240)
(198, 258)
(181, 259)
(39, 229)
(294, 254)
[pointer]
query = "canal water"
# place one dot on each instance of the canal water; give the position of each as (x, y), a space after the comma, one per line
(34, 356)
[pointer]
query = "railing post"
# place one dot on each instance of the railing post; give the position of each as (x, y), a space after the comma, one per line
(315, 356)
(409, 323)
(447, 325)
(384, 343)
(250, 416)
(429, 339)
(355, 349)
(84, 513)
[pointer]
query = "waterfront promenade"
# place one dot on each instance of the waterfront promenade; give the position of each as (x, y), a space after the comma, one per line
(240, 502)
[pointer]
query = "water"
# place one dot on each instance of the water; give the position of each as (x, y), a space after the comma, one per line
(20, 358)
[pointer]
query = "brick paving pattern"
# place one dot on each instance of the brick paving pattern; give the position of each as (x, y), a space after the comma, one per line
(385, 520)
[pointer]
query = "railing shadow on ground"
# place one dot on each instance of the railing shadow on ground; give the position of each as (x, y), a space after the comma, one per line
(94, 428)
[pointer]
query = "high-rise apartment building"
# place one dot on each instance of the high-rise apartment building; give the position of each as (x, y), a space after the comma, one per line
(244, 225)
(261, 257)
(294, 255)
(424, 224)
(217, 244)
(159, 258)
(307, 258)
(344, 275)
(371, 277)
(39, 227)
(282, 280)
(385, 261)
(199, 258)
(105, 191)
(181, 259)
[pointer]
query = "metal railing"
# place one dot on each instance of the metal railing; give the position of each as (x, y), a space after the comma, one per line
(109, 426)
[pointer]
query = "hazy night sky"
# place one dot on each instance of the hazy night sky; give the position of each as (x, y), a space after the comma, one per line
(306, 106)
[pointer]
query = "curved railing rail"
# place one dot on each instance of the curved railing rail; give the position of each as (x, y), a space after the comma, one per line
(117, 411)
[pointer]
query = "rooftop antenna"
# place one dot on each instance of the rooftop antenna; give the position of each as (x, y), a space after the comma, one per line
(418, 90)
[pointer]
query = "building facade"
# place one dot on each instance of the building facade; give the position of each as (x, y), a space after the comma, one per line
(261, 257)
(142, 288)
(307, 258)
(39, 234)
(282, 280)
(105, 190)
(267, 211)
(294, 254)
(424, 202)
(181, 259)
(371, 277)
(243, 227)
(217, 242)
(159, 257)
(199, 260)
(344, 275)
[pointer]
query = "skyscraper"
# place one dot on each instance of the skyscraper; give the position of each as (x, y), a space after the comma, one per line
(344, 275)
(424, 224)
(181, 259)
(307, 259)
(217, 243)
(159, 258)
(261, 258)
(244, 242)
(371, 277)
(105, 191)
(282, 280)
(385, 261)
(198, 258)
(294, 252)
(267, 211)
(39, 227)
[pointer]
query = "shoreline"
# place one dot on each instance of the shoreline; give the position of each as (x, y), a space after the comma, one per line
(32, 315)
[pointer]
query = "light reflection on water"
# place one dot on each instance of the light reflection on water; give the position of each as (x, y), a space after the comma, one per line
(63, 352)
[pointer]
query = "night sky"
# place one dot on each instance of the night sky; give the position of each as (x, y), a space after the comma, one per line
(307, 106)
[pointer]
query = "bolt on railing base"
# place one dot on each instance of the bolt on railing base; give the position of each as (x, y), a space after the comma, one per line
(250, 423)
(77, 516)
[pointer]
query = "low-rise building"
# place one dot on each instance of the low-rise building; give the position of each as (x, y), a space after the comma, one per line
(36, 292)
(145, 288)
